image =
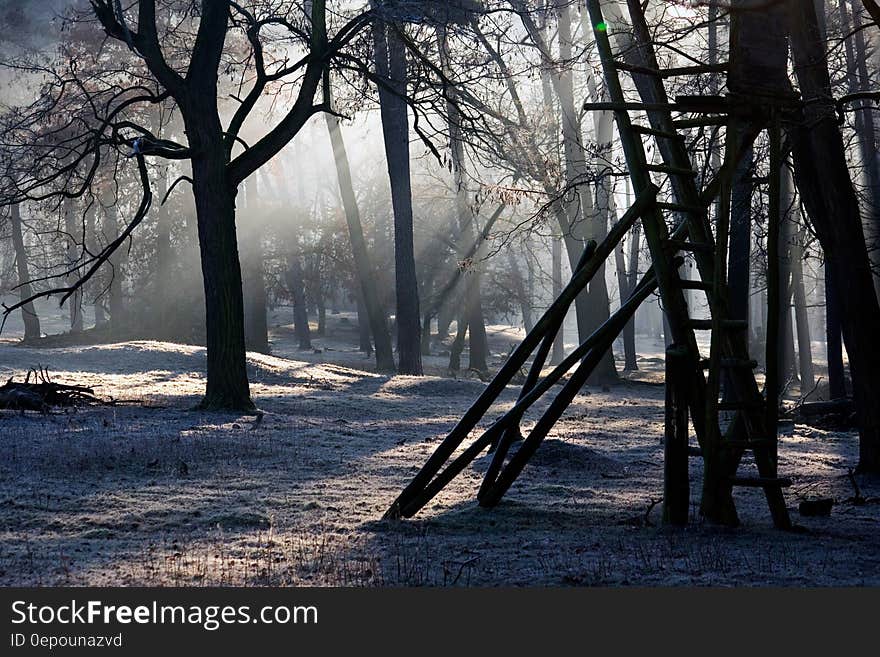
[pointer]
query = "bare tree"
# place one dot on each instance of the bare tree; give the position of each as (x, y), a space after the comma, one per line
(219, 160)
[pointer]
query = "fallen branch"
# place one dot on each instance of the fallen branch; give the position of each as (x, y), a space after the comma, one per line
(43, 394)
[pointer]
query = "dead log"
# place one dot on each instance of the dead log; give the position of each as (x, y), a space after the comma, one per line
(837, 414)
(807, 409)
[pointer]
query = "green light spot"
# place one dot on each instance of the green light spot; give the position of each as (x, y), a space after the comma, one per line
(602, 27)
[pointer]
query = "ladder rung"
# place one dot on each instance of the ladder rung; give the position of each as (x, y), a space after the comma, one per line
(703, 121)
(680, 207)
(761, 482)
(708, 325)
(702, 104)
(740, 406)
(670, 170)
(629, 107)
(731, 363)
(683, 245)
(671, 72)
(686, 284)
(693, 70)
(651, 132)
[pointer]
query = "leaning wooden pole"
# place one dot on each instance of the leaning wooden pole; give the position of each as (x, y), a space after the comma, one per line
(512, 432)
(606, 333)
(643, 202)
(600, 339)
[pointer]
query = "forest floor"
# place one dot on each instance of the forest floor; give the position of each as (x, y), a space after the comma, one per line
(151, 492)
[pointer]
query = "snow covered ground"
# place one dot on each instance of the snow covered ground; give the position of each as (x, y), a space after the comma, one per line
(154, 493)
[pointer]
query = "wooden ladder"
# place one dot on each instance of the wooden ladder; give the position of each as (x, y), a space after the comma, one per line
(753, 427)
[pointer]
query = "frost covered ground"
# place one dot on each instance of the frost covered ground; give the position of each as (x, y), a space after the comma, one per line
(155, 493)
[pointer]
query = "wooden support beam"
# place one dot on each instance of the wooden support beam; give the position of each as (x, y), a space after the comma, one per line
(604, 336)
(512, 431)
(644, 201)
(599, 341)
(623, 106)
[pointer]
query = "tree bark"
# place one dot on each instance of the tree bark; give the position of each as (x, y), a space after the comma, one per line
(521, 290)
(74, 304)
(390, 58)
(28, 313)
(833, 337)
(93, 244)
(623, 291)
(364, 270)
(787, 235)
(629, 332)
(478, 352)
(572, 232)
(739, 261)
(164, 254)
(805, 355)
(586, 221)
(227, 382)
(110, 229)
(827, 191)
(558, 353)
(297, 290)
(364, 342)
(858, 80)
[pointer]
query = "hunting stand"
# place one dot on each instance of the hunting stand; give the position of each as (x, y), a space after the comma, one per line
(694, 383)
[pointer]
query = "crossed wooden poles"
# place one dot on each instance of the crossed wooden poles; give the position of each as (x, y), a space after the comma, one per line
(438, 471)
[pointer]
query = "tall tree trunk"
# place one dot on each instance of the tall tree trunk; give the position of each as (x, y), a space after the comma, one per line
(473, 305)
(805, 355)
(28, 313)
(521, 290)
(297, 289)
(93, 245)
(321, 329)
(390, 56)
(115, 301)
(445, 316)
(586, 221)
(787, 235)
(827, 191)
(530, 292)
(364, 342)
(833, 337)
(74, 303)
(164, 256)
(478, 344)
(364, 271)
(558, 353)
(858, 80)
(740, 258)
(623, 291)
(227, 383)
(574, 244)
(457, 345)
(629, 332)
